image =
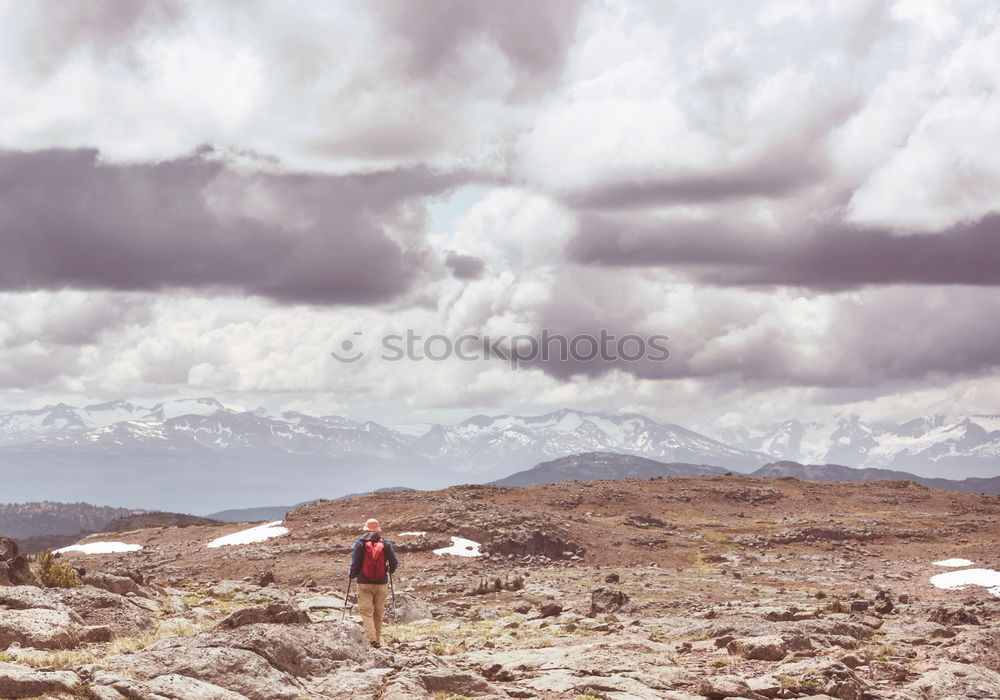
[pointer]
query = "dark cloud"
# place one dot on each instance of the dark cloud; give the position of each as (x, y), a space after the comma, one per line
(782, 180)
(535, 36)
(830, 257)
(465, 267)
(67, 220)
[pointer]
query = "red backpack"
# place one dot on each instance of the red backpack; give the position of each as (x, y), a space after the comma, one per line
(373, 564)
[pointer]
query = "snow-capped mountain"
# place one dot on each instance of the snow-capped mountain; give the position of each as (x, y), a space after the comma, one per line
(199, 455)
(928, 446)
(496, 445)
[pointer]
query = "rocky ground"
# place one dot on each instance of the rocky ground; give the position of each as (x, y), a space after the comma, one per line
(708, 587)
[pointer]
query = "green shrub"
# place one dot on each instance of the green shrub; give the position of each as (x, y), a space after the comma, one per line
(496, 585)
(54, 573)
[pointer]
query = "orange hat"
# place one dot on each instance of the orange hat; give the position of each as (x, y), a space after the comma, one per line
(372, 525)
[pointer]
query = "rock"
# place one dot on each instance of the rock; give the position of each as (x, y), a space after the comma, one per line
(315, 603)
(852, 660)
(952, 615)
(28, 597)
(408, 608)
(276, 613)
(96, 606)
(953, 680)
(260, 661)
(606, 600)
(227, 589)
(455, 682)
(768, 686)
(144, 603)
(612, 578)
(114, 584)
(549, 609)
(645, 521)
(859, 605)
(981, 647)
(825, 676)
(18, 681)
(179, 687)
(38, 628)
(765, 648)
(523, 607)
(918, 628)
(883, 606)
(718, 687)
(266, 579)
(14, 567)
(94, 634)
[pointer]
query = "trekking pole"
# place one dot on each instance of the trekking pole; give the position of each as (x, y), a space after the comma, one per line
(347, 597)
(395, 616)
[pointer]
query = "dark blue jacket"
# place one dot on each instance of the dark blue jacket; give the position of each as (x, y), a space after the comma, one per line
(358, 556)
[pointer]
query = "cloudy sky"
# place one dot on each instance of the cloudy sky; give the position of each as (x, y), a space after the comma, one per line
(208, 198)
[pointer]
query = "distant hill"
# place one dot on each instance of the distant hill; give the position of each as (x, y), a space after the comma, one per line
(603, 465)
(23, 520)
(242, 515)
(608, 465)
(48, 525)
(837, 472)
(157, 518)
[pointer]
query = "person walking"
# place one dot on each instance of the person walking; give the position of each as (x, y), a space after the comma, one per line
(372, 561)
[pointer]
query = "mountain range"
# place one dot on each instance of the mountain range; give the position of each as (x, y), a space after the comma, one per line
(198, 455)
(604, 465)
(928, 446)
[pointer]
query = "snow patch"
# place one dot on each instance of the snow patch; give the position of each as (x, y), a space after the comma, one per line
(953, 562)
(413, 534)
(957, 580)
(461, 547)
(101, 548)
(254, 534)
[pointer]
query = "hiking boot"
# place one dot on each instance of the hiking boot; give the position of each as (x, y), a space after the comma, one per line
(375, 645)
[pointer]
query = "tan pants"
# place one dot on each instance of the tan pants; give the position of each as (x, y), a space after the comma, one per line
(371, 602)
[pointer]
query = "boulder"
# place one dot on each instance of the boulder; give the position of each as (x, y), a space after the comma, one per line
(177, 687)
(408, 608)
(96, 606)
(980, 647)
(275, 613)
(606, 600)
(260, 661)
(952, 615)
(38, 628)
(318, 603)
(456, 682)
(824, 676)
(718, 687)
(549, 609)
(114, 584)
(522, 606)
(28, 597)
(953, 680)
(17, 681)
(14, 568)
(767, 648)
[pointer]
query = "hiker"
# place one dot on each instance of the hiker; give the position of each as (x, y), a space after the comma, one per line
(373, 559)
